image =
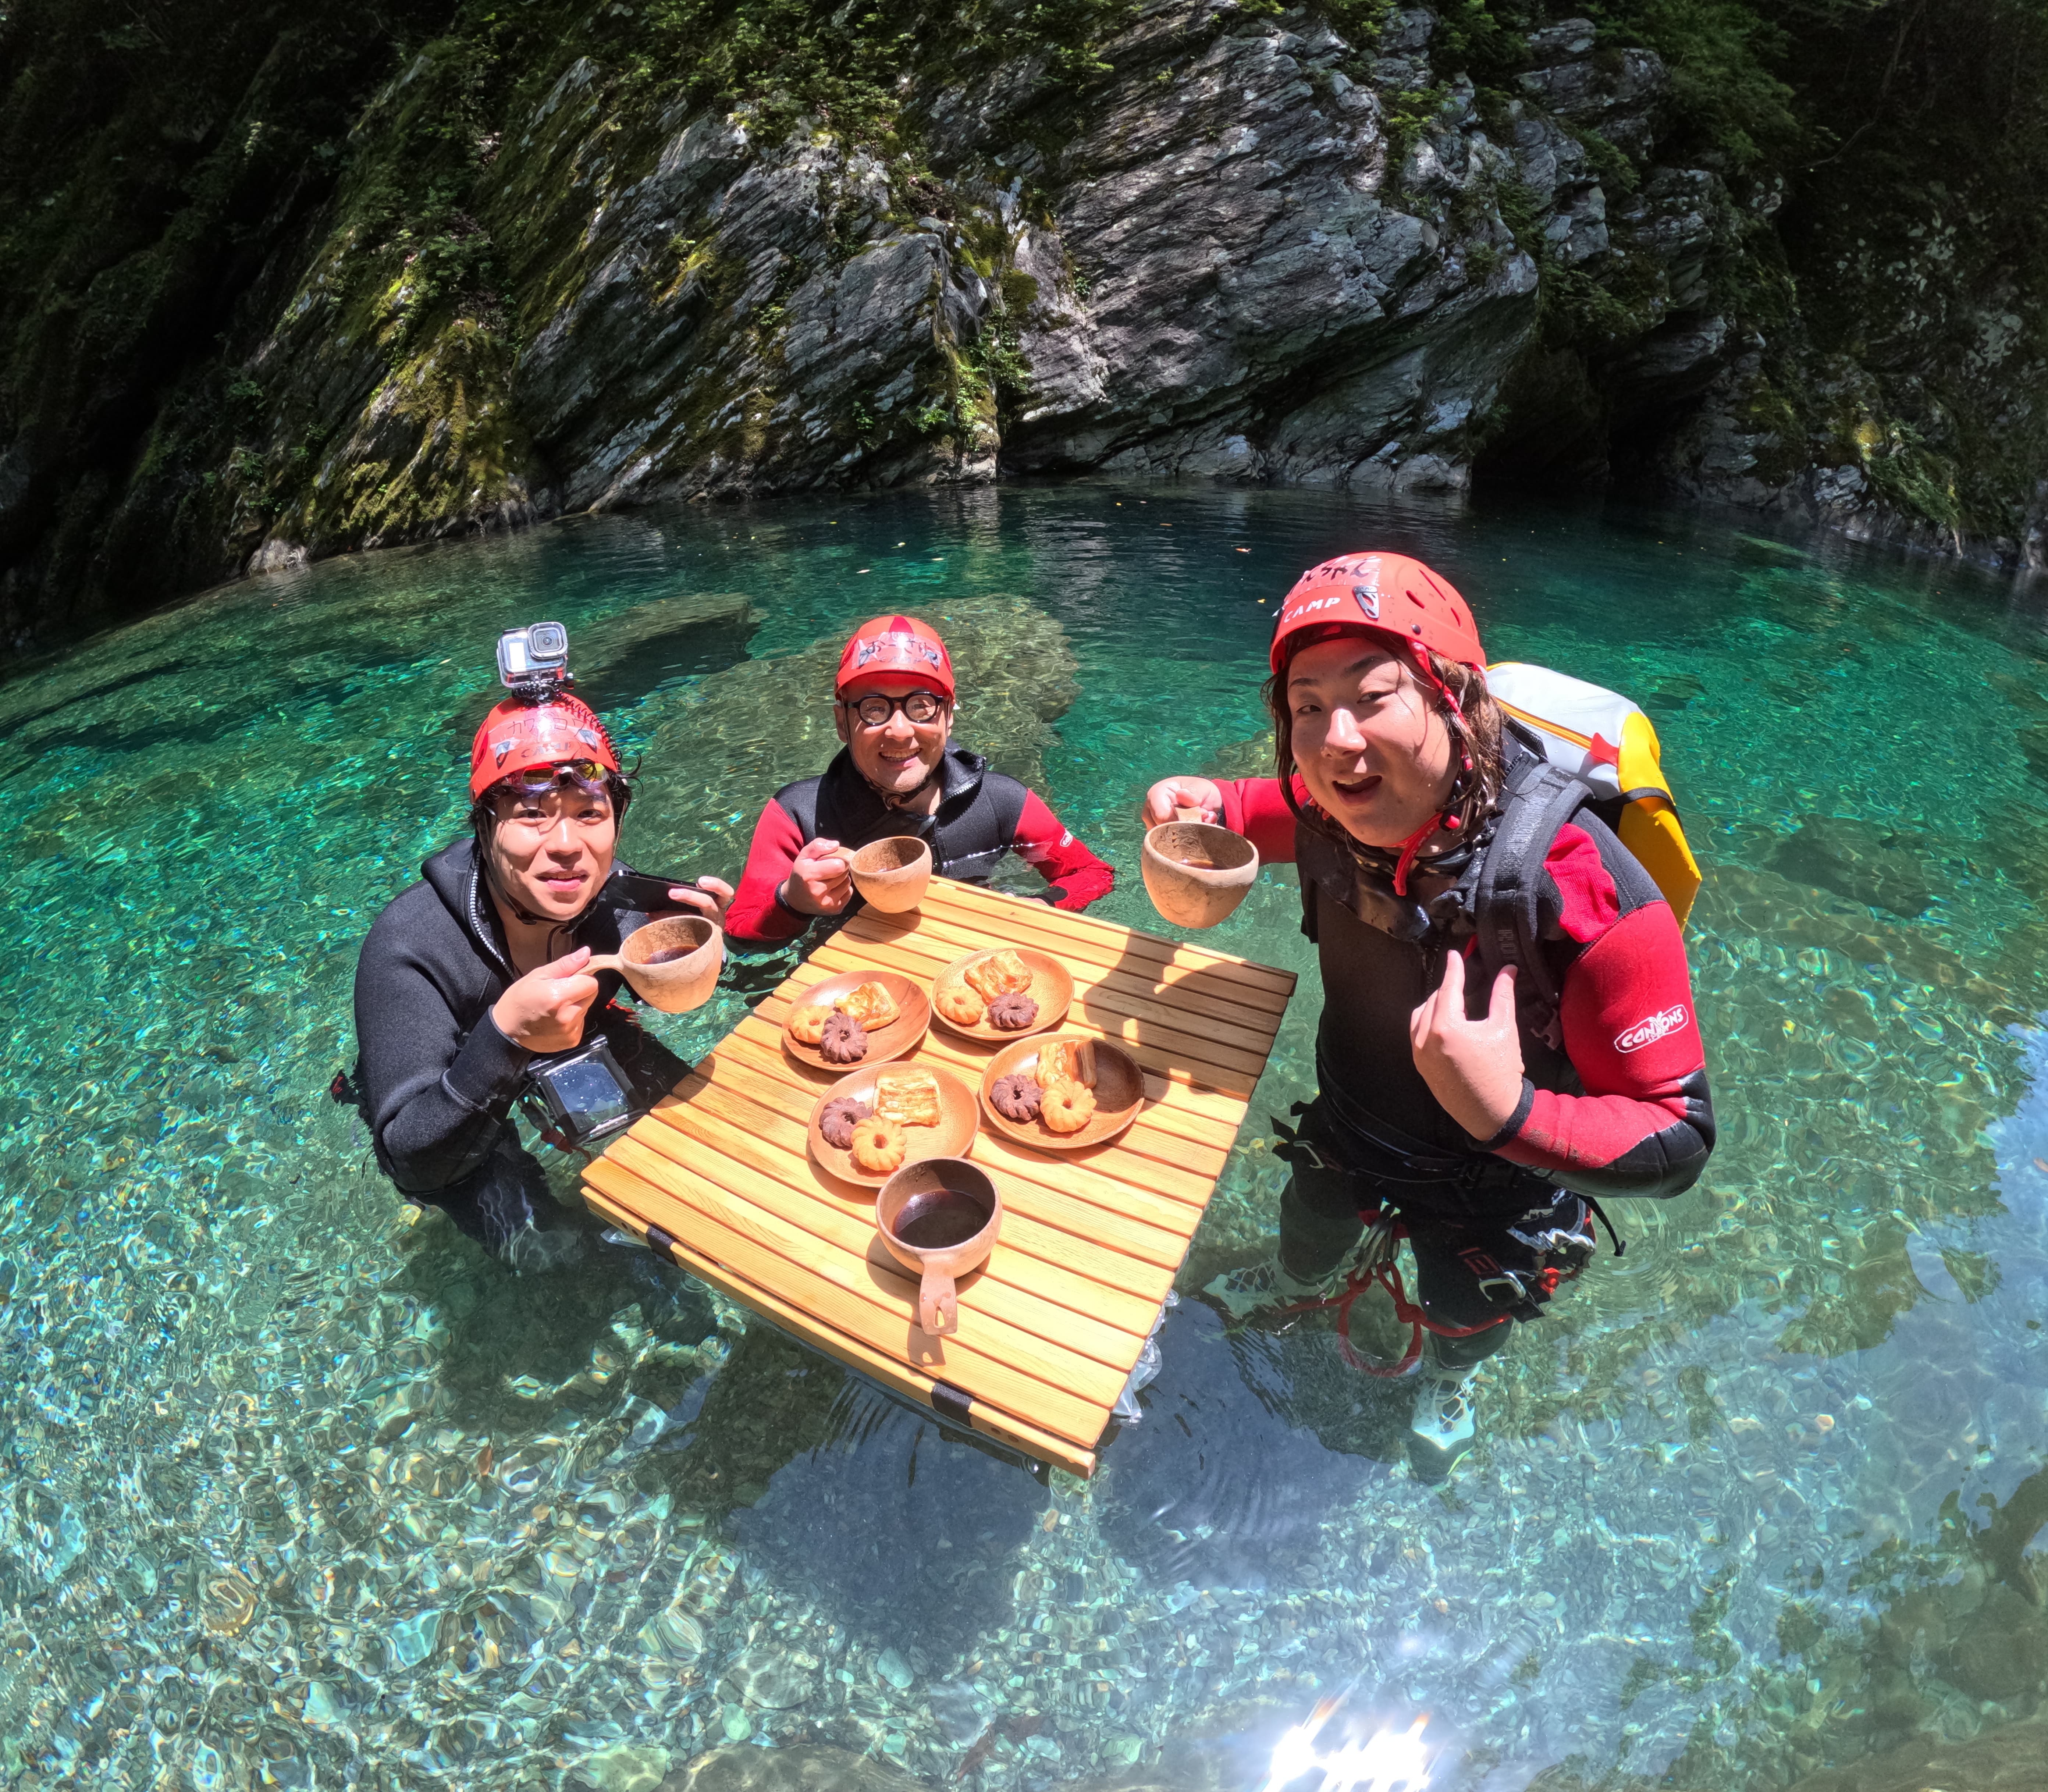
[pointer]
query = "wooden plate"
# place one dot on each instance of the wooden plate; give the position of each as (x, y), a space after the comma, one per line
(1051, 988)
(950, 1138)
(899, 1039)
(1119, 1093)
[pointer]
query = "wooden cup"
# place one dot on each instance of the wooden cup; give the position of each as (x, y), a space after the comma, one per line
(939, 1270)
(680, 984)
(891, 873)
(1195, 873)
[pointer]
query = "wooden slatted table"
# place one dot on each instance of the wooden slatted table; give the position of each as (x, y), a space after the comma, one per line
(718, 1179)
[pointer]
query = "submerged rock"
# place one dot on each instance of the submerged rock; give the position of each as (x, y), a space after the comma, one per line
(800, 1767)
(2013, 1759)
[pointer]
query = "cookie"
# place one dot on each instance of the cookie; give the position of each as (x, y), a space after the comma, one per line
(1067, 1061)
(911, 1097)
(877, 1145)
(845, 1041)
(870, 1004)
(836, 1121)
(1015, 1098)
(1066, 1107)
(807, 1026)
(1012, 1013)
(1001, 973)
(959, 1004)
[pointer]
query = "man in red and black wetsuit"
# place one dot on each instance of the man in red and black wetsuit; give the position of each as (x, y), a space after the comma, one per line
(898, 773)
(1486, 1133)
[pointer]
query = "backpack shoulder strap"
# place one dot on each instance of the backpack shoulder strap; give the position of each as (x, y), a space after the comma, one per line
(1540, 800)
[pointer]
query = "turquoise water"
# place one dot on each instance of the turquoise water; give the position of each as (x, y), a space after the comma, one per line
(298, 1489)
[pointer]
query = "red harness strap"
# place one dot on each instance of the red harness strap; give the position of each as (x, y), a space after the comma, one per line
(1387, 1275)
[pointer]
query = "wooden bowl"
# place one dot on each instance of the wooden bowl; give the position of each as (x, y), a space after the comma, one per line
(1197, 874)
(891, 873)
(953, 1137)
(1119, 1093)
(977, 1201)
(1051, 988)
(683, 981)
(899, 1039)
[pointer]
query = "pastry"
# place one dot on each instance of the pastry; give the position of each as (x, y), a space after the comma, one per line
(1012, 1013)
(911, 1097)
(836, 1119)
(959, 1004)
(845, 1041)
(1066, 1107)
(1015, 1098)
(1067, 1061)
(870, 1004)
(877, 1145)
(1001, 973)
(807, 1026)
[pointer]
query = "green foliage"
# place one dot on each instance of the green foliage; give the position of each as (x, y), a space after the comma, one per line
(842, 64)
(1724, 58)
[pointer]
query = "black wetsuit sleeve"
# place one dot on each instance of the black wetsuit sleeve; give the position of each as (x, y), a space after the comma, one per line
(435, 1096)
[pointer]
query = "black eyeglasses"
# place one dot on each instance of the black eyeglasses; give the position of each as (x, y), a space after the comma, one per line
(875, 709)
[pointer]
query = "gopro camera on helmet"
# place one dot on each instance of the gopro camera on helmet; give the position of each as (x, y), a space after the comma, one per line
(534, 661)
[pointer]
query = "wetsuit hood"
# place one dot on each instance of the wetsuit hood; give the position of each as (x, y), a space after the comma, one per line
(859, 814)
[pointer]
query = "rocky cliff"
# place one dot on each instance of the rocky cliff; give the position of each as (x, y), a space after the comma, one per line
(371, 277)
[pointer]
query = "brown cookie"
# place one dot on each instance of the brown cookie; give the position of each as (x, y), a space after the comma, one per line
(835, 1124)
(1015, 1098)
(844, 1041)
(1012, 1013)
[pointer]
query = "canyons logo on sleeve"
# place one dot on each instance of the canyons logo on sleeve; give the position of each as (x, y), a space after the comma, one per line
(1648, 1032)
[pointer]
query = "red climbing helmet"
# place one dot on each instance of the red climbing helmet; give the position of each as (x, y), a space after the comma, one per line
(885, 647)
(1389, 596)
(516, 734)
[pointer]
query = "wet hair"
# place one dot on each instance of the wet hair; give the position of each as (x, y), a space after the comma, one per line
(1475, 725)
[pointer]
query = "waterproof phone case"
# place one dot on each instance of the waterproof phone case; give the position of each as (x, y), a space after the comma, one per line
(579, 1098)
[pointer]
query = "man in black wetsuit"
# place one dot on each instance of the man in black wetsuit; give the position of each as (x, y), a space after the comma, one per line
(475, 978)
(899, 773)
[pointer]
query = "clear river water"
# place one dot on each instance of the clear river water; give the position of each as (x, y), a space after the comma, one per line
(298, 1488)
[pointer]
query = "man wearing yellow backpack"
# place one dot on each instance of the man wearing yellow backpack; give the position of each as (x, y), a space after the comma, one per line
(1507, 1031)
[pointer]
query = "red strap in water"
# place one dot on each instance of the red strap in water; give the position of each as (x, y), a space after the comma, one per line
(1388, 1276)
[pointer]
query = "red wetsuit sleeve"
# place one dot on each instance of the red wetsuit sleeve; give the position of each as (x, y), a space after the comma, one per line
(1645, 1124)
(757, 914)
(1255, 808)
(1079, 877)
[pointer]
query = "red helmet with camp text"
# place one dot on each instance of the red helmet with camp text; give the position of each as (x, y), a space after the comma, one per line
(885, 647)
(1386, 594)
(516, 736)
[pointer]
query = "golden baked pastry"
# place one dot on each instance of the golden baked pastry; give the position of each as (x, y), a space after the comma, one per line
(911, 1097)
(1067, 1061)
(870, 1004)
(807, 1026)
(1066, 1107)
(877, 1145)
(1001, 973)
(959, 1004)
